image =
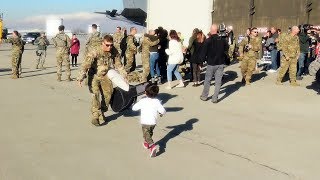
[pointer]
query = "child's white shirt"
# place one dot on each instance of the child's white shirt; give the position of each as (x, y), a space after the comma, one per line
(150, 108)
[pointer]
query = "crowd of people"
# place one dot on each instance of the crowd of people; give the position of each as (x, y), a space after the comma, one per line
(163, 54)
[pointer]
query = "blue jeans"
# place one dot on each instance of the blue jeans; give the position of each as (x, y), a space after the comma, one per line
(274, 58)
(173, 68)
(301, 62)
(153, 64)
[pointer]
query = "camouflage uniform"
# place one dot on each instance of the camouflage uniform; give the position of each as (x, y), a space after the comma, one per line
(102, 87)
(94, 41)
(62, 42)
(42, 43)
(117, 37)
(17, 50)
(145, 56)
(130, 52)
(290, 53)
(231, 49)
(249, 60)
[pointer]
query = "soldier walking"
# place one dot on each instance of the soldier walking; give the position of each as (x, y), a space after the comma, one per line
(249, 53)
(94, 42)
(131, 50)
(101, 59)
(289, 44)
(62, 42)
(41, 51)
(17, 50)
(117, 38)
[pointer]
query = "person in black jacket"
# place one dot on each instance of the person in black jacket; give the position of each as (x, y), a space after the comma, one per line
(215, 50)
(195, 60)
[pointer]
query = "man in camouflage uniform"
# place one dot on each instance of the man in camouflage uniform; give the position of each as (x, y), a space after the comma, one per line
(131, 50)
(249, 51)
(145, 55)
(101, 60)
(94, 41)
(62, 42)
(289, 44)
(231, 42)
(17, 50)
(117, 37)
(41, 51)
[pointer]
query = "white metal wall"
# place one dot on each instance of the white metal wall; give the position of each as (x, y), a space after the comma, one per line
(181, 15)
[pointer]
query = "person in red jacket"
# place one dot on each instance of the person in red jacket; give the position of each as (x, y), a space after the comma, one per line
(74, 50)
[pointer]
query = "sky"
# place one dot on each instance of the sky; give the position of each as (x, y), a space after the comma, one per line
(77, 14)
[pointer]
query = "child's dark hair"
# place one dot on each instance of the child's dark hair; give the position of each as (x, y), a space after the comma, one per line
(152, 90)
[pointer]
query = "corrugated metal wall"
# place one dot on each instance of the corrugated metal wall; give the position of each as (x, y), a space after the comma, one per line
(279, 13)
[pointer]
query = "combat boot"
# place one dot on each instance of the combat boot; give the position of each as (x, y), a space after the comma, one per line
(279, 82)
(294, 83)
(248, 83)
(59, 78)
(69, 79)
(95, 122)
(102, 118)
(14, 77)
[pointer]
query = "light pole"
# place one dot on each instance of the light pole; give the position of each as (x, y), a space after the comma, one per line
(308, 10)
(252, 11)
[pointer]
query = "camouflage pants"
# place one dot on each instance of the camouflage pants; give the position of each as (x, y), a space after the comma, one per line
(231, 51)
(41, 59)
(134, 77)
(248, 66)
(63, 57)
(16, 64)
(145, 66)
(130, 57)
(117, 46)
(147, 131)
(102, 90)
(290, 64)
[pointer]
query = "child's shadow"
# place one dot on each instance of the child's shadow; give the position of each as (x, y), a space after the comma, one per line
(176, 131)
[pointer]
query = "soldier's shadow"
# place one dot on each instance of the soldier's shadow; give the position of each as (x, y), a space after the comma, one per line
(257, 77)
(176, 131)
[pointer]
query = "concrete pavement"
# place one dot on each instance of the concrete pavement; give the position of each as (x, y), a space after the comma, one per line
(259, 132)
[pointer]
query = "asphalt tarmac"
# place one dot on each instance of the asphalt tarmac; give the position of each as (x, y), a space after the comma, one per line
(260, 132)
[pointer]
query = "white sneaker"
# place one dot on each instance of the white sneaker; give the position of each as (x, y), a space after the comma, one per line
(272, 71)
(181, 85)
(168, 87)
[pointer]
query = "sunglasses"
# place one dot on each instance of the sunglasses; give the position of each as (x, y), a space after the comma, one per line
(108, 45)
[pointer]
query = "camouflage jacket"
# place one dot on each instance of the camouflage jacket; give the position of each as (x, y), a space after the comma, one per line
(255, 42)
(131, 45)
(290, 46)
(101, 62)
(42, 43)
(94, 40)
(61, 41)
(117, 37)
(147, 43)
(17, 44)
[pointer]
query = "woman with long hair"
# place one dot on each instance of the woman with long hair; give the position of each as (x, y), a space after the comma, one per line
(195, 58)
(175, 58)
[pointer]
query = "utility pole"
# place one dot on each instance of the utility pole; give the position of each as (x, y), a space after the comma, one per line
(1, 25)
(308, 10)
(252, 11)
